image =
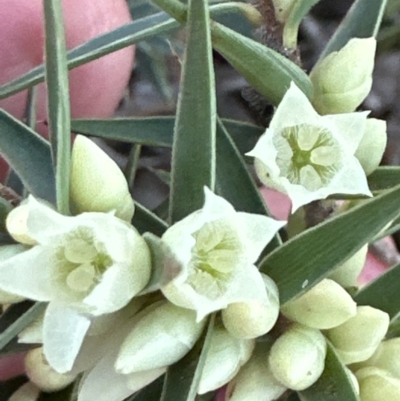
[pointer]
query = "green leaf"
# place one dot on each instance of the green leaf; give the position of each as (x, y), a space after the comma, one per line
(382, 293)
(291, 26)
(193, 150)
(384, 178)
(152, 392)
(362, 21)
(239, 188)
(306, 259)
(268, 72)
(144, 220)
(14, 347)
(10, 326)
(102, 45)
(58, 100)
(182, 379)
(29, 155)
(158, 131)
(334, 383)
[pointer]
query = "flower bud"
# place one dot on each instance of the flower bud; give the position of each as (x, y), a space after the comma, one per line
(97, 183)
(6, 252)
(359, 337)
(343, 79)
(372, 146)
(224, 358)
(387, 357)
(255, 380)
(353, 379)
(326, 305)
(27, 392)
(297, 358)
(162, 335)
(377, 385)
(346, 274)
(253, 318)
(42, 374)
(16, 223)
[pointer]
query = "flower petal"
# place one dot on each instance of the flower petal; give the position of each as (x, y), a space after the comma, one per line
(294, 109)
(256, 232)
(30, 274)
(63, 332)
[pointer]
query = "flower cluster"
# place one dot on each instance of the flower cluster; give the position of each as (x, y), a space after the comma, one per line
(114, 310)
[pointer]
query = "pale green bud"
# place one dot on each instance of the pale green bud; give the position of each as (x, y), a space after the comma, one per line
(16, 223)
(353, 379)
(326, 305)
(359, 337)
(27, 392)
(253, 318)
(387, 357)
(297, 358)
(43, 375)
(224, 358)
(377, 385)
(283, 9)
(372, 146)
(97, 183)
(255, 380)
(163, 334)
(343, 79)
(347, 273)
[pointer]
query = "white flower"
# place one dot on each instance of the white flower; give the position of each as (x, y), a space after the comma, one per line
(217, 248)
(84, 266)
(308, 156)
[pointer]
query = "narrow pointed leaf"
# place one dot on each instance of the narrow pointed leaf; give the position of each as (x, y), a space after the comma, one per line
(291, 27)
(306, 259)
(362, 21)
(9, 331)
(182, 379)
(382, 293)
(158, 131)
(269, 72)
(58, 100)
(334, 383)
(145, 220)
(117, 39)
(29, 155)
(384, 178)
(193, 151)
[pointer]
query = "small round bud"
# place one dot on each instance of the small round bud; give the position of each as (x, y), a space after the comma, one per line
(17, 227)
(254, 318)
(255, 380)
(377, 385)
(387, 357)
(372, 146)
(163, 334)
(97, 183)
(27, 392)
(359, 337)
(343, 79)
(346, 274)
(42, 374)
(325, 306)
(224, 358)
(297, 358)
